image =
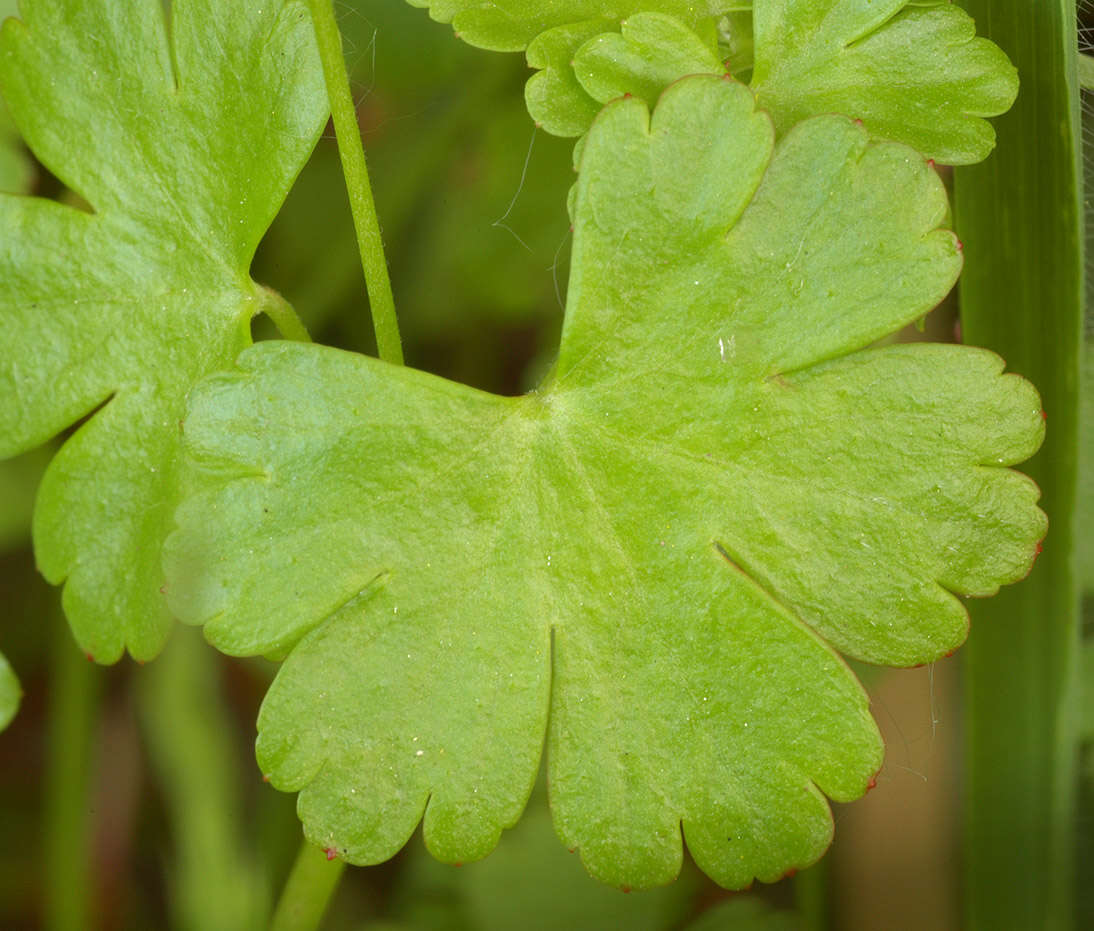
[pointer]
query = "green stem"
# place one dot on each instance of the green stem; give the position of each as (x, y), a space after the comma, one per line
(1020, 217)
(75, 687)
(308, 892)
(352, 152)
(188, 730)
(811, 896)
(284, 316)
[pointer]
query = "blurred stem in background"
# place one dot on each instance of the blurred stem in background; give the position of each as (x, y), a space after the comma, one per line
(214, 877)
(1019, 215)
(75, 699)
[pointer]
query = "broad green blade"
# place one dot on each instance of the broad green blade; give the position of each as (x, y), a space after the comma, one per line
(1019, 215)
(184, 148)
(653, 558)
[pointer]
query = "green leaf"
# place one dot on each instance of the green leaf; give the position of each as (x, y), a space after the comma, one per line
(184, 148)
(10, 693)
(662, 546)
(913, 73)
(650, 52)
(530, 882)
(583, 65)
(16, 170)
(510, 25)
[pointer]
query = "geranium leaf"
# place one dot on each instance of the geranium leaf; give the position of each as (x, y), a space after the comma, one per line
(717, 485)
(10, 693)
(184, 148)
(915, 73)
(650, 52)
(584, 65)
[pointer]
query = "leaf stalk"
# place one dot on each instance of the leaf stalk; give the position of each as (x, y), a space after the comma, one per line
(308, 892)
(352, 153)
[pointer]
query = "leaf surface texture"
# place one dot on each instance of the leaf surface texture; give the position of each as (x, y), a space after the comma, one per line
(914, 73)
(183, 139)
(652, 560)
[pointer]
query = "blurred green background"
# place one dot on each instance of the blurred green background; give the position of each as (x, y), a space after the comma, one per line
(137, 785)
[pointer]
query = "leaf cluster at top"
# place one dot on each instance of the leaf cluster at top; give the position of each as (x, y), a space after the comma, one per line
(913, 72)
(650, 564)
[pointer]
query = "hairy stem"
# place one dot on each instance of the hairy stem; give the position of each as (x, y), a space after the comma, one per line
(352, 152)
(308, 892)
(284, 316)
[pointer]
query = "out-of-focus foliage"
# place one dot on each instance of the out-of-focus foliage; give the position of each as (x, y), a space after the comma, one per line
(472, 209)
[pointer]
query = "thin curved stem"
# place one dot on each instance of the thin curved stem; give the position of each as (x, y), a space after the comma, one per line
(352, 152)
(284, 316)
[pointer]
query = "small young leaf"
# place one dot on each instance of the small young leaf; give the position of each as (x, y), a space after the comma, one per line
(584, 65)
(554, 96)
(646, 56)
(10, 693)
(717, 485)
(913, 73)
(184, 149)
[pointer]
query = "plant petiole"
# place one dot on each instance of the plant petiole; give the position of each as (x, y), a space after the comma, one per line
(351, 150)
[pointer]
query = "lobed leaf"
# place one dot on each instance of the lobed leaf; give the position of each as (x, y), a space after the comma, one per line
(584, 65)
(183, 142)
(914, 73)
(652, 559)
